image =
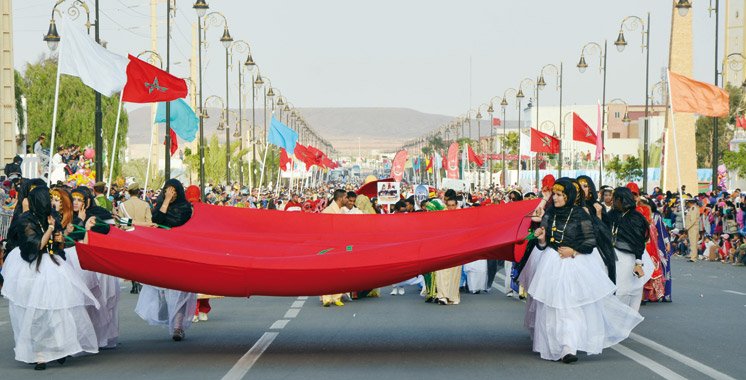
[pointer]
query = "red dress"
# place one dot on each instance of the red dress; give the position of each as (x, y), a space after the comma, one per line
(655, 288)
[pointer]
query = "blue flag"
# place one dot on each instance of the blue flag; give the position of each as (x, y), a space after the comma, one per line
(282, 136)
(183, 119)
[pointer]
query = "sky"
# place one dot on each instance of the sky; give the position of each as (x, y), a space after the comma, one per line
(433, 56)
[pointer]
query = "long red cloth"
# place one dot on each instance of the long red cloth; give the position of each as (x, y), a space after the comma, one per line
(240, 252)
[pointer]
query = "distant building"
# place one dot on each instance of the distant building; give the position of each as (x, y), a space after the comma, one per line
(735, 41)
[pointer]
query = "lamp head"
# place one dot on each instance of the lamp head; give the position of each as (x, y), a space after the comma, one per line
(479, 115)
(625, 119)
(520, 95)
(226, 39)
(682, 6)
(541, 83)
(259, 81)
(270, 93)
(249, 62)
(582, 65)
(620, 42)
(490, 109)
(504, 103)
(52, 38)
(221, 125)
(280, 102)
(201, 7)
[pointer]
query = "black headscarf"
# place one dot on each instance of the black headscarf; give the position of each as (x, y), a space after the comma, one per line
(569, 225)
(23, 192)
(91, 210)
(32, 225)
(179, 210)
(629, 228)
(602, 232)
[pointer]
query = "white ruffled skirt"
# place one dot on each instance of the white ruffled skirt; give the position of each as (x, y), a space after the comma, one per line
(47, 309)
(629, 286)
(166, 307)
(476, 275)
(106, 289)
(574, 307)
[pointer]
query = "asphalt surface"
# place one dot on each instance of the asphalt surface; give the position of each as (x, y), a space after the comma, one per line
(699, 335)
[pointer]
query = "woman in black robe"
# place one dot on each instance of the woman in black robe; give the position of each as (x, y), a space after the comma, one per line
(572, 306)
(171, 210)
(47, 299)
(603, 235)
(629, 233)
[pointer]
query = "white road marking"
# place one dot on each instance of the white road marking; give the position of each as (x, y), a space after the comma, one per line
(735, 292)
(303, 298)
(279, 324)
(709, 371)
(658, 369)
(292, 313)
(243, 365)
(297, 304)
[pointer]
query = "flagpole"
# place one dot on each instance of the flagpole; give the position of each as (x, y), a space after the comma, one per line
(264, 163)
(54, 115)
(114, 149)
(676, 150)
(150, 159)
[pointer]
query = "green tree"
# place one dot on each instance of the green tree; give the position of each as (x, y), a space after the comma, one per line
(736, 161)
(704, 128)
(631, 169)
(19, 107)
(138, 169)
(75, 118)
(615, 167)
(215, 162)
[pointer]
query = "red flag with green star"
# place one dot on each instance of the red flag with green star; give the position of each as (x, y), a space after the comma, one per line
(149, 84)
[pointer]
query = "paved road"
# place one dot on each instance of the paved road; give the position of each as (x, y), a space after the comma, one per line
(700, 335)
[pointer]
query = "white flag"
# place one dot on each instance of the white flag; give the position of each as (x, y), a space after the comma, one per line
(97, 67)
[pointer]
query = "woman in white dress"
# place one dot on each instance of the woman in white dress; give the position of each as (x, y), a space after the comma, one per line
(629, 234)
(47, 298)
(58, 166)
(575, 307)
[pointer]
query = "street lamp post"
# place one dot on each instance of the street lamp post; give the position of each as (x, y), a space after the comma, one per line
(540, 84)
(520, 96)
(241, 46)
(216, 19)
(582, 65)
(200, 6)
(504, 106)
(620, 44)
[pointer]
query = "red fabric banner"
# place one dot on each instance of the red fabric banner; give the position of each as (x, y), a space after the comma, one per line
(149, 84)
(581, 131)
(397, 166)
(370, 189)
(284, 159)
(174, 141)
(240, 252)
(496, 122)
(474, 158)
(304, 156)
(543, 142)
(451, 162)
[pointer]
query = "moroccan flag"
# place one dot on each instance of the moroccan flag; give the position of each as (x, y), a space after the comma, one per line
(315, 154)
(689, 95)
(543, 142)
(474, 158)
(397, 167)
(304, 156)
(496, 122)
(741, 122)
(149, 84)
(451, 163)
(581, 131)
(284, 159)
(174, 142)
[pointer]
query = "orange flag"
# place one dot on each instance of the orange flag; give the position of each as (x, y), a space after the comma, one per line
(689, 95)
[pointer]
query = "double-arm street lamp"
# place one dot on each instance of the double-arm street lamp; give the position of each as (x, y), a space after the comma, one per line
(582, 66)
(504, 105)
(201, 7)
(240, 47)
(631, 23)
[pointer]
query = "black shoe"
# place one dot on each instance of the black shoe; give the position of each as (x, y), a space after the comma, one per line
(40, 366)
(178, 335)
(62, 361)
(569, 358)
